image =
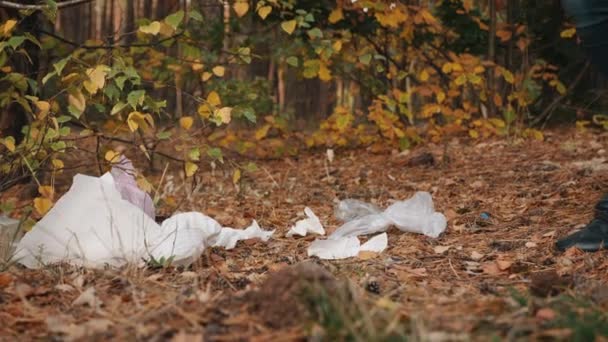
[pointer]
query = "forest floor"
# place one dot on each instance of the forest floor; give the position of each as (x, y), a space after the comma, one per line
(493, 275)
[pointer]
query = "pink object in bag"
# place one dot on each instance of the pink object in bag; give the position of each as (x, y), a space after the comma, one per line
(123, 173)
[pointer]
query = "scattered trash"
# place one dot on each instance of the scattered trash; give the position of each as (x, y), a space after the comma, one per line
(311, 224)
(108, 220)
(484, 216)
(416, 215)
(346, 247)
(95, 224)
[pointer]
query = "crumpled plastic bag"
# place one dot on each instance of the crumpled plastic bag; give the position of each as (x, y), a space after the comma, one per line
(416, 215)
(310, 224)
(347, 247)
(93, 225)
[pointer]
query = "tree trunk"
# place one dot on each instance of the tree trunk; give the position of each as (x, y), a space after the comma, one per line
(492, 58)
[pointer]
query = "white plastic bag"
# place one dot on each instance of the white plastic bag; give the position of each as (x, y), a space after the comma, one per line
(347, 247)
(92, 225)
(415, 215)
(310, 224)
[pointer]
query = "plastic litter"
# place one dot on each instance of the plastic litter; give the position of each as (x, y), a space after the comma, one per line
(310, 224)
(347, 247)
(93, 225)
(416, 215)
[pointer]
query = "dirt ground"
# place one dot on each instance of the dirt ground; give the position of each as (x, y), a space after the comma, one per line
(494, 274)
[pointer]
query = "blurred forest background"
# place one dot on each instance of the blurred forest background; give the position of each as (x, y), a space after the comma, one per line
(188, 80)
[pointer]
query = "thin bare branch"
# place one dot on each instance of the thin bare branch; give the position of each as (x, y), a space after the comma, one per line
(18, 6)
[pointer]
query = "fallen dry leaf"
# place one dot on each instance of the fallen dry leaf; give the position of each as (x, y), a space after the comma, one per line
(504, 265)
(367, 255)
(441, 249)
(89, 298)
(5, 279)
(546, 314)
(475, 255)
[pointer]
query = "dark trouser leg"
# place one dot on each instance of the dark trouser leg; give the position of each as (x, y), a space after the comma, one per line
(591, 18)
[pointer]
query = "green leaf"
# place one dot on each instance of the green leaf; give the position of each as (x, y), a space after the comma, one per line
(120, 82)
(249, 114)
(118, 107)
(74, 111)
(58, 146)
(175, 19)
(365, 59)
(61, 64)
(64, 119)
(15, 41)
(250, 167)
(194, 154)
(315, 33)
(48, 76)
(293, 61)
(215, 153)
(64, 131)
(163, 135)
(136, 97)
(196, 15)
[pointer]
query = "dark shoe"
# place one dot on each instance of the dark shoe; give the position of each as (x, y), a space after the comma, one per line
(592, 238)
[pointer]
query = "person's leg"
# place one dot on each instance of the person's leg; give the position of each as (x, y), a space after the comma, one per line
(591, 17)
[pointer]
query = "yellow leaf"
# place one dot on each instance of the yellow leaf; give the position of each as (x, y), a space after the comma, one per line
(197, 66)
(214, 99)
(186, 122)
(262, 132)
(337, 45)
(97, 79)
(225, 114)
(112, 156)
(236, 176)
(447, 68)
(289, 26)
(324, 73)
(264, 11)
(336, 15)
(473, 133)
(219, 71)
(497, 122)
(508, 76)
(568, 33)
(57, 164)
(241, 8)
(46, 191)
(44, 108)
(9, 142)
(204, 111)
(137, 120)
(206, 76)
(42, 205)
(8, 26)
(462, 79)
(190, 168)
(153, 28)
(440, 97)
(538, 135)
(76, 99)
(424, 76)
(479, 69)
